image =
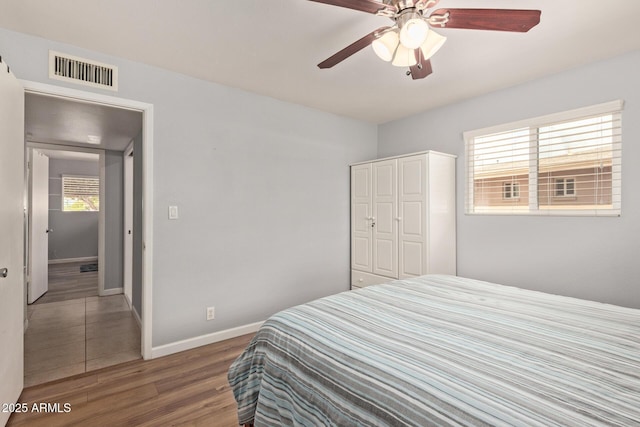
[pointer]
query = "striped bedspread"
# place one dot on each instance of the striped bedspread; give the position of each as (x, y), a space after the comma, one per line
(440, 351)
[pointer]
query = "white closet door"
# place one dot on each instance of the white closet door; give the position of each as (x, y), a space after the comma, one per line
(412, 216)
(385, 210)
(361, 214)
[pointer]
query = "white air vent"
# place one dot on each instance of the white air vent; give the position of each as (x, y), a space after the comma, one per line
(82, 71)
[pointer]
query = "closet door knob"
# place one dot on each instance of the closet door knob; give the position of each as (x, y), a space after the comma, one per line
(399, 218)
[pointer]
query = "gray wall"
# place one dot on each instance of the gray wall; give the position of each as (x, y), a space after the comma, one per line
(586, 257)
(114, 220)
(262, 187)
(75, 234)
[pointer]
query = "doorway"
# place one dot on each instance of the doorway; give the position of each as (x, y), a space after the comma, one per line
(144, 139)
(76, 326)
(64, 201)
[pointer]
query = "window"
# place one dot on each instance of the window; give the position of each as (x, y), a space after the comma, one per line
(565, 187)
(563, 164)
(510, 190)
(80, 193)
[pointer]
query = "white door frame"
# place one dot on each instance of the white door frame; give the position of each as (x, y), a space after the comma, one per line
(128, 223)
(147, 186)
(101, 198)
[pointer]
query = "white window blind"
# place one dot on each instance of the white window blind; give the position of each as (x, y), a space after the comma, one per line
(80, 193)
(564, 163)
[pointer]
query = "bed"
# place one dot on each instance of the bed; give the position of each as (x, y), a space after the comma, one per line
(438, 351)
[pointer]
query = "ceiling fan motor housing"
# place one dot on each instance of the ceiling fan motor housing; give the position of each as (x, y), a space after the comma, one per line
(411, 42)
(401, 4)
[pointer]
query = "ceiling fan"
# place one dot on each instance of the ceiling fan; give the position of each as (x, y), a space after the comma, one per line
(411, 41)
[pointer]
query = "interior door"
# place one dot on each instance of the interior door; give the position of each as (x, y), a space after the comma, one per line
(128, 226)
(39, 228)
(11, 238)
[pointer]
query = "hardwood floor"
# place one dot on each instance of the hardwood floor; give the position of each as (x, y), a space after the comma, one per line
(184, 389)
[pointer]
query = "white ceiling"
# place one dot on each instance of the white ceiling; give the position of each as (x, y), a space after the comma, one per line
(272, 47)
(53, 120)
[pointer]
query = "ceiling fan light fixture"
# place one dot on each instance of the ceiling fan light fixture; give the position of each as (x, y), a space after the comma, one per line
(432, 44)
(413, 30)
(385, 45)
(404, 57)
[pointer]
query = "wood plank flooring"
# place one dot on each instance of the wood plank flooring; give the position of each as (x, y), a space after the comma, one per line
(184, 389)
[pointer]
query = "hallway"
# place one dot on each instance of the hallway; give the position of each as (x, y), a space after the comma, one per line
(76, 335)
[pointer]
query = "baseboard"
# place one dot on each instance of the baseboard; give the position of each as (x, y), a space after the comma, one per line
(188, 344)
(66, 260)
(133, 310)
(112, 291)
(136, 316)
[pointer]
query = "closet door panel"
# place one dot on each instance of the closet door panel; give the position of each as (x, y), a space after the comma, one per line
(361, 254)
(361, 214)
(361, 182)
(412, 259)
(412, 213)
(385, 227)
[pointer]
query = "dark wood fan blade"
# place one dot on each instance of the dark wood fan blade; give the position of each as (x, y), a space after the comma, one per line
(491, 19)
(351, 49)
(422, 69)
(368, 6)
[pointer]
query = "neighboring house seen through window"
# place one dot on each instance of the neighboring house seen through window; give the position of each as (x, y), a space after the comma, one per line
(563, 164)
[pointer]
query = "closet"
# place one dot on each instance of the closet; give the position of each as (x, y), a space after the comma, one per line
(402, 218)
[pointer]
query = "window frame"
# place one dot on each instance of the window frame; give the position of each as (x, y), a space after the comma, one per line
(564, 194)
(514, 190)
(63, 193)
(612, 107)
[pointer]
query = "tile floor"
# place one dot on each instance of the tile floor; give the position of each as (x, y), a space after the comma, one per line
(70, 337)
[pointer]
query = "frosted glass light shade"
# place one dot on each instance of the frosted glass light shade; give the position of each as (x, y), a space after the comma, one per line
(413, 33)
(432, 44)
(404, 57)
(385, 46)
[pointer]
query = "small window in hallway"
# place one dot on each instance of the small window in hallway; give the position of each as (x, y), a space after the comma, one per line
(80, 193)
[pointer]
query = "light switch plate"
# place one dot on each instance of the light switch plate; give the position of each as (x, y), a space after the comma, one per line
(173, 212)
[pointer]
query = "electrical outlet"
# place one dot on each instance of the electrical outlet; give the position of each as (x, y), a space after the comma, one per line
(211, 313)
